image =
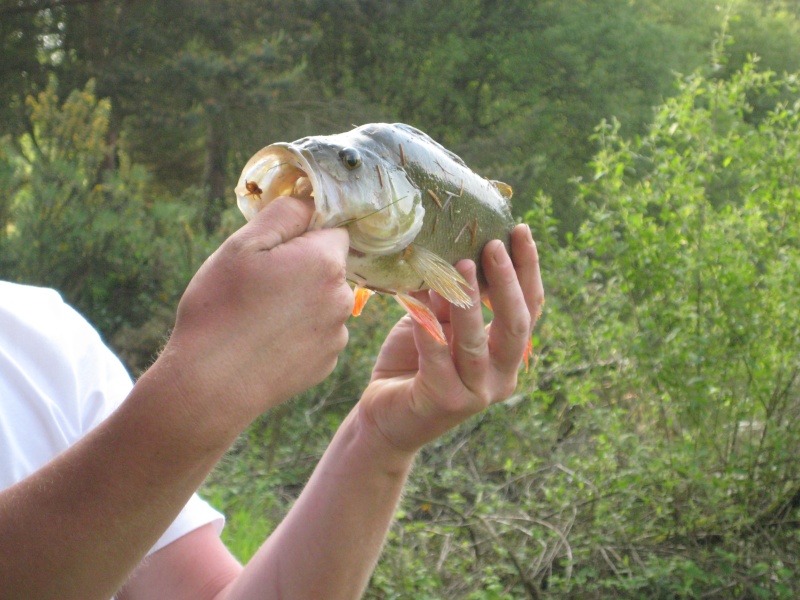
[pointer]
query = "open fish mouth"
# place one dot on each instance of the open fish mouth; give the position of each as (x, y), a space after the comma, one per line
(279, 170)
(379, 205)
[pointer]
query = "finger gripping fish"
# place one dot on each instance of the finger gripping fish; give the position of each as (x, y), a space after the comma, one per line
(412, 208)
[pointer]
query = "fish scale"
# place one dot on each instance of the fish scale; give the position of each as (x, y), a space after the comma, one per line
(413, 209)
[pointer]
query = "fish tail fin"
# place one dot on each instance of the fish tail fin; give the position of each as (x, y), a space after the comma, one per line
(439, 274)
(362, 294)
(422, 315)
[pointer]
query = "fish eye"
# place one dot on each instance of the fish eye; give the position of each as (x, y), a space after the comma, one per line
(350, 157)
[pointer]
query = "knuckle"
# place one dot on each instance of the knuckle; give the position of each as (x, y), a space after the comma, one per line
(347, 302)
(475, 347)
(344, 337)
(520, 326)
(236, 245)
(473, 356)
(538, 297)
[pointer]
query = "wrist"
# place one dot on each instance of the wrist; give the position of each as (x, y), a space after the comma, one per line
(189, 399)
(374, 447)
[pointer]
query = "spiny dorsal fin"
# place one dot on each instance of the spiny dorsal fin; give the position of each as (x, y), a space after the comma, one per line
(504, 189)
(439, 274)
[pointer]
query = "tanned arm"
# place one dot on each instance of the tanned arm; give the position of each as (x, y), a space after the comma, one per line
(242, 343)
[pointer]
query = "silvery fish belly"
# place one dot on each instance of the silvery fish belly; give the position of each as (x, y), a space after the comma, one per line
(412, 208)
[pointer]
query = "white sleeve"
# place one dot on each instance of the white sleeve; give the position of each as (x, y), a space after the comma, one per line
(58, 380)
(196, 513)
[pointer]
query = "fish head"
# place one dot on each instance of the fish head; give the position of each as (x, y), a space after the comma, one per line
(351, 181)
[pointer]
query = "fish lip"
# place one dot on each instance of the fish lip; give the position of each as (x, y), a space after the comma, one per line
(275, 169)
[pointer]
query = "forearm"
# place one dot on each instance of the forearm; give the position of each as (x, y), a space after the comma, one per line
(328, 544)
(78, 526)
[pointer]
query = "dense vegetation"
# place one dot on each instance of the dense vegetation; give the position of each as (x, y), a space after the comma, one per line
(652, 451)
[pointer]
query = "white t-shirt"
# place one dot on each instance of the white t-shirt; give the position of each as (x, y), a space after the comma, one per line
(58, 381)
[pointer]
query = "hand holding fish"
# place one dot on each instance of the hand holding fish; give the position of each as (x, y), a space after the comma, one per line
(418, 219)
(245, 315)
(420, 388)
(264, 318)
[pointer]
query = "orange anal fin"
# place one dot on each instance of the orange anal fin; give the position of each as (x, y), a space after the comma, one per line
(422, 315)
(362, 295)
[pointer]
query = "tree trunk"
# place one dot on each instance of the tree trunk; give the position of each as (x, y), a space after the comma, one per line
(214, 175)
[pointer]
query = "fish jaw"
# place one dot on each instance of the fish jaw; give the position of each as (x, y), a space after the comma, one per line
(280, 170)
(377, 202)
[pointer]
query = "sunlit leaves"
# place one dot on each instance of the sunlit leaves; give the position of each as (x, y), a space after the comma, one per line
(88, 230)
(687, 255)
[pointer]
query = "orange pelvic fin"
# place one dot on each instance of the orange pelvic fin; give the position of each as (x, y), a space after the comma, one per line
(487, 304)
(362, 295)
(422, 315)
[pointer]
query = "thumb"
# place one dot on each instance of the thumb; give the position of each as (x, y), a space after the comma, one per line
(279, 221)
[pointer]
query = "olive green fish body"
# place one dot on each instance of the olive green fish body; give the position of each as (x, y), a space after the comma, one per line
(412, 208)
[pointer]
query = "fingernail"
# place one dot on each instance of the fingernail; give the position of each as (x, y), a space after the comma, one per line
(529, 234)
(500, 255)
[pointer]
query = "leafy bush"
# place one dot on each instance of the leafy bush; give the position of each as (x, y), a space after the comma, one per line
(653, 450)
(681, 278)
(75, 220)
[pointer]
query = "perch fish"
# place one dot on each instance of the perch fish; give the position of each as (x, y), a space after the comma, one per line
(412, 208)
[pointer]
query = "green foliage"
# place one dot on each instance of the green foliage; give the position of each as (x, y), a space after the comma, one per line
(89, 231)
(680, 279)
(652, 450)
(514, 87)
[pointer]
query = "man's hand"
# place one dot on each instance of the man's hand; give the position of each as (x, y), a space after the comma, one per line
(265, 315)
(420, 388)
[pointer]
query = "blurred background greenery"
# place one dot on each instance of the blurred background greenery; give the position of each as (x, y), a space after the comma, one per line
(653, 147)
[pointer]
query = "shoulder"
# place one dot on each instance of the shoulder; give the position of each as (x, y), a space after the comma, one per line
(38, 311)
(57, 377)
(44, 337)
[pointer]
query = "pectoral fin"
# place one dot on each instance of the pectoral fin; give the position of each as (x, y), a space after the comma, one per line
(422, 315)
(439, 274)
(362, 295)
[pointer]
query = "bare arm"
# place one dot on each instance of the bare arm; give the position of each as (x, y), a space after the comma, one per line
(78, 526)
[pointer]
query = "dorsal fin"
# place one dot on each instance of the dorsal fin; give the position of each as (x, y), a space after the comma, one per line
(504, 189)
